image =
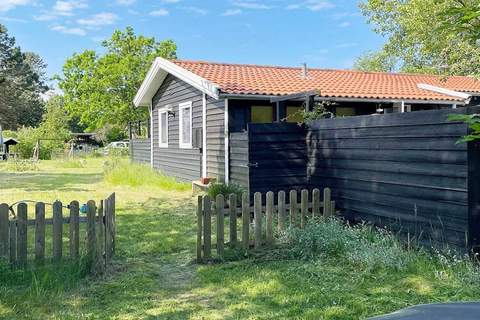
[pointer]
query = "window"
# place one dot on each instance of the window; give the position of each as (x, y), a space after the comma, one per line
(262, 114)
(163, 129)
(294, 114)
(185, 125)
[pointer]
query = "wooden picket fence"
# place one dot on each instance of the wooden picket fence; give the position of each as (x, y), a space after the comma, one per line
(291, 214)
(99, 232)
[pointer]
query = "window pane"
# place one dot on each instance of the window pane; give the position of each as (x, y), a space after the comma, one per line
(186, 125)
(294, 114)
(163, 127)
(262, 114)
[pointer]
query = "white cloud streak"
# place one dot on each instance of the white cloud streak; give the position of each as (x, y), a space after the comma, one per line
(100, 19)
(232, 12)
(6, 5)
(159, 13)
(72, 31)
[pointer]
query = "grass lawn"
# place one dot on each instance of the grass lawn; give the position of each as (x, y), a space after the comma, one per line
(155, 277)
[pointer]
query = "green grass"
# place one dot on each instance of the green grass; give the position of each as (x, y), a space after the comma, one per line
(154, 275)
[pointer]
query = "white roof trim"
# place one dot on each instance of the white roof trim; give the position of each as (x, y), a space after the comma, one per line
(157, 74)
(444, 91)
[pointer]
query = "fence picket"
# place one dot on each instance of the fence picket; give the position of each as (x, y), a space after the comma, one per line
(257, 219)
(232, 204)
(113, 224)
(22, 214)
(245, 221)
(316, 203)
(4, 230)
(327, 206)
(281, 211)
(39, 232)
(199, 228)
(332, 208)
(101, 234)
(13, 242)
(107, 207)
(293, 208)
(304, 207)
(74, 230)
(207, 221)
(269, 217)
(57, 230)
(91, 246)
(220, 207)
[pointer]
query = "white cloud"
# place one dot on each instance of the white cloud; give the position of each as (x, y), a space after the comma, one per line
(195, 10)
(100, 19)
(45, 17)
(347, 45)
(73, 31)
(313, 5)
(6, 5)
(249, 4)
(10, 19)
(125, 2)
(344, 24)
(159, 13)
(66, 8)
(317, 5)
(232, 12)
(170, 1)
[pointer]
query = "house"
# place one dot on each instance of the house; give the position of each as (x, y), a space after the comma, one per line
(196, 106)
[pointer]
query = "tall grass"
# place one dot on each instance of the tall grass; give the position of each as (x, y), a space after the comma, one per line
(121, 172)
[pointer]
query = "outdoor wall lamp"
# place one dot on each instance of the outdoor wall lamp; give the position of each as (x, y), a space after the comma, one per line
(171, 113)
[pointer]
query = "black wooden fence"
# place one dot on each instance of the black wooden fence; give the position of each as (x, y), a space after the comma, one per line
(405, 171)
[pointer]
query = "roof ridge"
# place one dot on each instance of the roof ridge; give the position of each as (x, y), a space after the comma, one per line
(317, 69)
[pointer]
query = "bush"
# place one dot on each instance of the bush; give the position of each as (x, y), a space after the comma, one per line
(120, 172)
(221, 188)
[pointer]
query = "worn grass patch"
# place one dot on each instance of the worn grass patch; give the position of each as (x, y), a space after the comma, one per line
(154, 275)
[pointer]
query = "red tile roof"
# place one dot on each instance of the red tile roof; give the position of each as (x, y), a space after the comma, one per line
(272, 80)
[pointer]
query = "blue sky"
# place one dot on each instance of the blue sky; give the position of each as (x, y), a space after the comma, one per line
(321, 33)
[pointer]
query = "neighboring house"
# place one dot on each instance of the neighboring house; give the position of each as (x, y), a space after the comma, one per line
(194, 106)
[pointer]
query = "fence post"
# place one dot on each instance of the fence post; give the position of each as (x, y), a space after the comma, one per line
(207, 229)
(39, 232)
(327, 206)
(101, 252)
(233, 220)
(220, 207)
(4, 230)
(257, 219)
(281, 211)
(74, 230)
(304, 207)
(245, 221)
(316, 203)
(91, 209)
(333, 208)
(13, 242)
(22, 234)
(57, 230)
(199, 228)
(269, 218)
(293, 207)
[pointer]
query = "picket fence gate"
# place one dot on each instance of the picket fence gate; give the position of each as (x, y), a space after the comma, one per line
(99, 232)
(292, 213)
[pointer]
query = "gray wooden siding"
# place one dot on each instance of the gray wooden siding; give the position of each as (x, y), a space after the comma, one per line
(239, 170)
(140, 150)
(183, 164)
(216, 138)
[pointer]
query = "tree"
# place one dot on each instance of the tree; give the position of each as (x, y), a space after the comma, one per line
(463, 17)
(417, 38)
(22, 80)
(99, 88)
(375, 61)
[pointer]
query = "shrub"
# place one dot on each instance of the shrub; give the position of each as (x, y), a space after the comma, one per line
(119, 171)
(221, 188)
(20, 165)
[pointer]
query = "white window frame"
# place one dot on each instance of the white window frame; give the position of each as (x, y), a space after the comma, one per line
(160, 112)
(181, 110)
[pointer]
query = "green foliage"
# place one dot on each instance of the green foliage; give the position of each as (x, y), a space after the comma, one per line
(319, 111)
(473, 121)
(120, 172)
(21, 83)
(109, 133)
(463, 17)
(99, 88)
(375, 61)
(417, 38)
(20, 165)
(226, 190)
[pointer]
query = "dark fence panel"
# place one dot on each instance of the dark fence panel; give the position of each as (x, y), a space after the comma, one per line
(404, 171)
(140, 150)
